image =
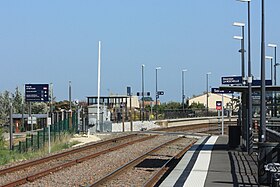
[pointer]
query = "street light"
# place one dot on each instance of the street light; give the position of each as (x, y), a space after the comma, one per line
(262, 131)
(183, 88)
(249, 81)
(242, 50)
(271, 66)
(142, 92)
(275, 51)
(273, 112)
(70, 99)
(207, 80)
(157, 96)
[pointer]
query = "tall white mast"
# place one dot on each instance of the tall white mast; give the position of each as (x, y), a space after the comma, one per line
(98, 83)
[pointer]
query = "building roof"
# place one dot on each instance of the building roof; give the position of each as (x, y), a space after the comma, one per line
(19, 116)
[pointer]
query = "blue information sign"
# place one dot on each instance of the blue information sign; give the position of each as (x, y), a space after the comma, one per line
(218, 91)
(232, 80)
(36, 92)
(259, 82)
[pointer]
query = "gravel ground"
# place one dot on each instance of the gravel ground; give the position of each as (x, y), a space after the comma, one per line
(56, 162)
(89, 171)
(144, 171)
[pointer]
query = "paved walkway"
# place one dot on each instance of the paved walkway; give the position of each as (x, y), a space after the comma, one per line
(210, 163)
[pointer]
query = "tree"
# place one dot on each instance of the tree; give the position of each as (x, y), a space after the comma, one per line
(39, 108)
(197, 106)
(4, 106)
(17, 101)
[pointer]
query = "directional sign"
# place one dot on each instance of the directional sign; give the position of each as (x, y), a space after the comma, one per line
(218, 91)
(36, 92)
(160, 92)
(218, 105)
(259, 82)
(232, 80)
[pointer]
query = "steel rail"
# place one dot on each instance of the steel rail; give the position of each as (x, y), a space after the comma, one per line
(184, 127)
(130, 164)
(157, 176)
(58, 155)
(187, 127)
(41, 174)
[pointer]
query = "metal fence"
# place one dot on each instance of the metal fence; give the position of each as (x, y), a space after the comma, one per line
(37, 140)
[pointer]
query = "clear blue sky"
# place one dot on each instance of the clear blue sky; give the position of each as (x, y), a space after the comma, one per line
(57, 41)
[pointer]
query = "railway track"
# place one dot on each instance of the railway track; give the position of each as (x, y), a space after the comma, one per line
(117, 158)
(211, 128)
(149, 167)
(31, 171)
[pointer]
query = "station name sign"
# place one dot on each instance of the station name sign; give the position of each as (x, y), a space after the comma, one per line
(259, 82)
(36, 92)
(232, 80)
(218, 91)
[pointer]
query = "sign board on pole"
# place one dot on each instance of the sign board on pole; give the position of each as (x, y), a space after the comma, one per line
(128, 91)
(160, 92)
(32, 120)
(218, 105)
(36, 92)
(232, 80)
(49, 121)
(259, 82)
(218, 91)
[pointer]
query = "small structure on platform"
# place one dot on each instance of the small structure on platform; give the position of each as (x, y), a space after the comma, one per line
(104, 124)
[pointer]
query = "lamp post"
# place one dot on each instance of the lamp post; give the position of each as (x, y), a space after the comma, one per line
(70, 103)
(157, 96)
(142, 92)
(249, 80)
(183, 89)
(207, 96)
(262, 131)
(275, 51)
(245, 131)
(271, 66)
(242, 50)
(270, 58)
(274, 113)
(11, 124)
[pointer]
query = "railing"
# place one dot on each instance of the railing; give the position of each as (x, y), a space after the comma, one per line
(39, 138)
(272, 135)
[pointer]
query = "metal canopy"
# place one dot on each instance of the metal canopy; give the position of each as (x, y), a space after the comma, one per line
(245, 88)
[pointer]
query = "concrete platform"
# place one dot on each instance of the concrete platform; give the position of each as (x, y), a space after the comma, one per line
(211, 163)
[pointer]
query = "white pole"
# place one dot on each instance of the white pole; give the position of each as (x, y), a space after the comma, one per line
(222, 114)
(98, 83)
(49, 131)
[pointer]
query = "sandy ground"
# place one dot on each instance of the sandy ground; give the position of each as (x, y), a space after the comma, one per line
(116, 127)
(84, 139)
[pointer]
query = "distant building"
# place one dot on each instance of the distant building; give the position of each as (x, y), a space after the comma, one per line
(212, 98)
(113, 101)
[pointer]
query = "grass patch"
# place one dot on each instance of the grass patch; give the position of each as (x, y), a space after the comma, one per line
(7, 156)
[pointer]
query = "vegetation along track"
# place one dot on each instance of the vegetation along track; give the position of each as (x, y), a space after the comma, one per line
(30, 171)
